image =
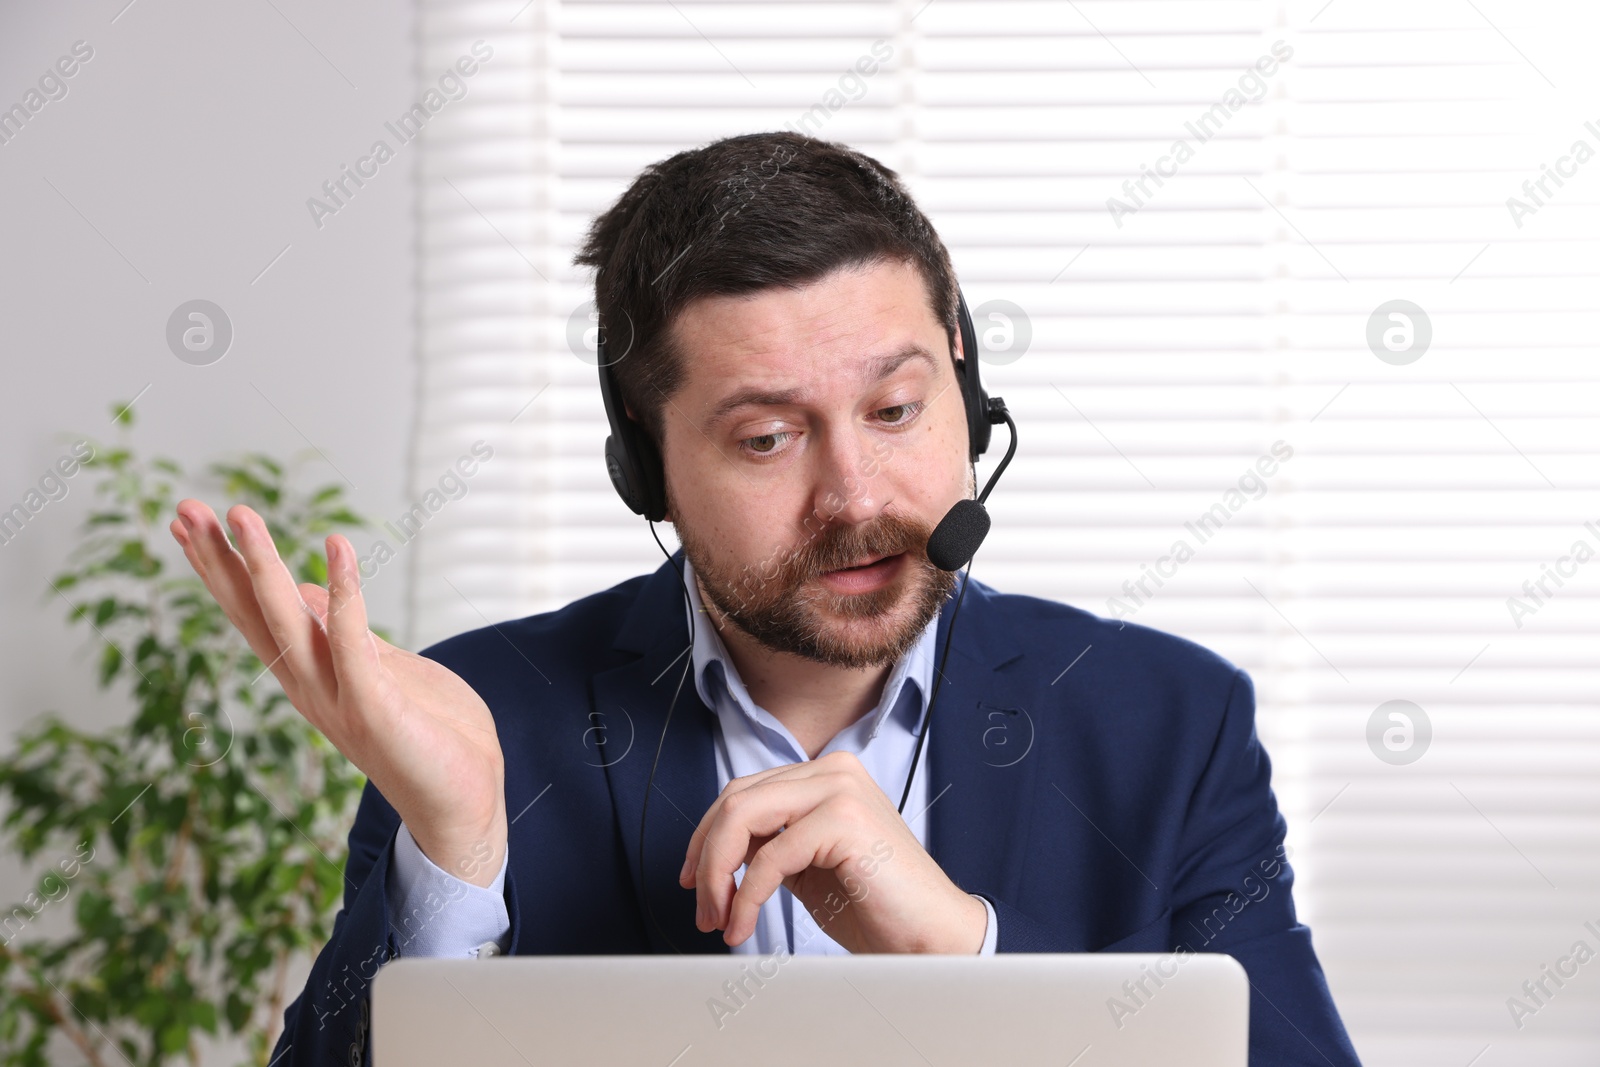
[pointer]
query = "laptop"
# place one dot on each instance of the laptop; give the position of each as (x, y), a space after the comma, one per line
(1020, 1010)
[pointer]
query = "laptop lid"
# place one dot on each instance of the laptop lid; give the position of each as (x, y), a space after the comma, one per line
(1022, 1010)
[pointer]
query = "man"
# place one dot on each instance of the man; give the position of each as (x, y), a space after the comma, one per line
(789, 350)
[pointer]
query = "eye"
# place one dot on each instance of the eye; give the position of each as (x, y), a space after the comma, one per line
(899, 413)
(766, 444)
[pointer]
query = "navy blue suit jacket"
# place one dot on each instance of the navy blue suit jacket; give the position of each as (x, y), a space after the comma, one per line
(1100, 783)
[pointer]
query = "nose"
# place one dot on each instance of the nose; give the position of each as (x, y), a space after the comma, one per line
(850, 485)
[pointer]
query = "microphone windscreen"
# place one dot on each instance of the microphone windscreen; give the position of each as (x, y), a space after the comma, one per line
(957, 537)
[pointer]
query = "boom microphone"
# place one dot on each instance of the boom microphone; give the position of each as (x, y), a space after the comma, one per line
(956, 539)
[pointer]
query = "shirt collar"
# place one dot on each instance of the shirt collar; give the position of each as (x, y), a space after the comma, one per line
(914, 667)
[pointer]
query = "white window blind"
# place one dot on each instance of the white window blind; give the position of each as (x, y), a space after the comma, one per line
(1228, 311)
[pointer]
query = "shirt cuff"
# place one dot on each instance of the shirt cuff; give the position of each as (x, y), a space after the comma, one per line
(435, 914)
(991, 933)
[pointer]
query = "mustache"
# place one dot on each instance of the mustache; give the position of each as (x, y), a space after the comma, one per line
(844, 546)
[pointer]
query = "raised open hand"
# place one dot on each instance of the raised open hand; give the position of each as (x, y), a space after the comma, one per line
(413, 727)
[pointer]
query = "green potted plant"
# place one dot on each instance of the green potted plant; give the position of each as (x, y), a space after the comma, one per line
(196, 848)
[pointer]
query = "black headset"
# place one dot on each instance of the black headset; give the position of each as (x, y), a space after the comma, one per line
(635, 465)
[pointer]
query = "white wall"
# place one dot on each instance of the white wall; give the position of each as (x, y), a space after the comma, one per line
(189, 143)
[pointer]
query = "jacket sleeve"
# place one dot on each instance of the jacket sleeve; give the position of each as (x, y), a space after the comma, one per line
(1232, 894)
(330, 1021)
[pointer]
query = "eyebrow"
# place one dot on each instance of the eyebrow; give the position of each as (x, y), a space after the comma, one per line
(877, 369)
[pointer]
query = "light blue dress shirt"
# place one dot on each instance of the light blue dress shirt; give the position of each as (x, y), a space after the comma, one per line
(443, 916)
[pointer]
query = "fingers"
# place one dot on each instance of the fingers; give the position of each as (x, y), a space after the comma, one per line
(257, 593)
(355, 658)
(316, 599)
(804, 845)
(226, 578)
(288, 619)
(786, 804)
(832, 762)
(691, 861)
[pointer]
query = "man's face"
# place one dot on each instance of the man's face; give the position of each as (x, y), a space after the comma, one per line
(818, 429)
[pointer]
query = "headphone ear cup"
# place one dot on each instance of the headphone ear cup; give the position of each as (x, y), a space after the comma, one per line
(637, 476)
(652, 480)
(632, 462)
(623, 478)
(973, 397)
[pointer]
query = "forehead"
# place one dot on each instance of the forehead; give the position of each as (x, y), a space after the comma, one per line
(837, 331)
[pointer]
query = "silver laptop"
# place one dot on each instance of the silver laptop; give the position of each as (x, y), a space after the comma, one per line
(1020, 1010)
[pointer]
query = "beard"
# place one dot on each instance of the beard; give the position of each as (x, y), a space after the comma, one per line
(792, 611)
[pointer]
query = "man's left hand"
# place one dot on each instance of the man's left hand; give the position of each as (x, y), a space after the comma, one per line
(844, 851)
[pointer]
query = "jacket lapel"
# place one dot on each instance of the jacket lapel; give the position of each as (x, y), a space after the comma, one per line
(981, 769)
(686, 774)
(981, 763)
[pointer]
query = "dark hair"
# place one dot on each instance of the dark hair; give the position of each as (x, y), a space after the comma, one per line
(736, 216)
